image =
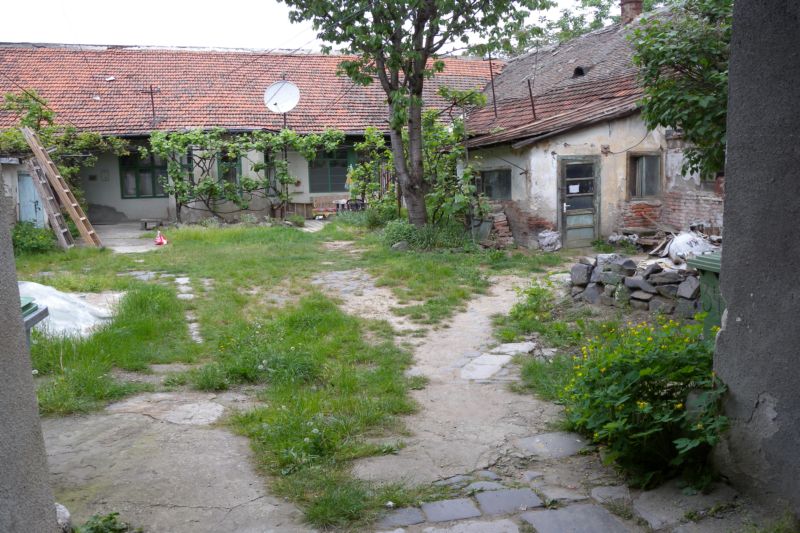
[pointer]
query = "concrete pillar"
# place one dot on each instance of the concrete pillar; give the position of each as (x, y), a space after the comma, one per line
(26, 501)
(758, 350)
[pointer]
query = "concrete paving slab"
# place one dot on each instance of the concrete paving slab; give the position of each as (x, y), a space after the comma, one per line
(447, 510)
(581, 518)
(495, 526)
(552, 445)
(514, 348)
(611, 493)
(507, 501)
(408, 516)
(667, 505)
(554, 493)
(487, 474)
(484, 485)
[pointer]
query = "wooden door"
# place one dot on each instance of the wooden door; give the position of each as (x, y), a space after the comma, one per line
(579, 193)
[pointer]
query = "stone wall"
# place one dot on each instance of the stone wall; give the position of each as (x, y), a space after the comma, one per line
(610, 279)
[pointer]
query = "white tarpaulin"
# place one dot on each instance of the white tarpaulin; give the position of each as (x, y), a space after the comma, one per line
(70, 314)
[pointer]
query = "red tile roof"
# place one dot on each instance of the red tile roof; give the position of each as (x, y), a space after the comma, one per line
(203, 88)
(563, 99)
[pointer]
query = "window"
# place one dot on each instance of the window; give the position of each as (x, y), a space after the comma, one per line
(496, 184)
(328, 172)
(229, 168)
(644, 176)
(142, 177)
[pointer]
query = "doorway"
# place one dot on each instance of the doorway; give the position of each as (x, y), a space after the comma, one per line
(30, 205)
(579, 191)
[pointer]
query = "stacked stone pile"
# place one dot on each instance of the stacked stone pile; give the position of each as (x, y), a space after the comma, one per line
(610, 279)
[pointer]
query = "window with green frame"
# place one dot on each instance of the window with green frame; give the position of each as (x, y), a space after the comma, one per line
(328, 171)
(142, 177)
(229, 168)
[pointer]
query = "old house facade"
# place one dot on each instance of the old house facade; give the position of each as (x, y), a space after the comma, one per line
(563, 146)
(132, 91)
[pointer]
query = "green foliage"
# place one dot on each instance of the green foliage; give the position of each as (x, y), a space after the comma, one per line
(427, 237)
(328, 389)
(683, 68)
(109, 523)
(297, 220)
(397, 43)
(197, 159)
(70, 149)
(148, 327)
(648, 394)
(586, 16)
(28, 239)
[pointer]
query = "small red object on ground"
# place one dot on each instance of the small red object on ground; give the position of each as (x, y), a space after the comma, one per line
(160, 239)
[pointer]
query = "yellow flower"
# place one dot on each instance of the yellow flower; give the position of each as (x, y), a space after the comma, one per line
(602, 370)
(649, 338)
(678, 406)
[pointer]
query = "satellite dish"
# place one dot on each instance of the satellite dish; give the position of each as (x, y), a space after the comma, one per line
(281, 96)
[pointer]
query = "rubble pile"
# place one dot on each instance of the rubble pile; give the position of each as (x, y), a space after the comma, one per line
(611, 279)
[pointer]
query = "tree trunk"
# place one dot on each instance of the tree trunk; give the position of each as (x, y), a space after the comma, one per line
(410, 175)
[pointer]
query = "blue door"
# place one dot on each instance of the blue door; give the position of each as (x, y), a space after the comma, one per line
(30, 207)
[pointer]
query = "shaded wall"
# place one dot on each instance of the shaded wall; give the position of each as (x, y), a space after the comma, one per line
(26, 501)
(758, 350)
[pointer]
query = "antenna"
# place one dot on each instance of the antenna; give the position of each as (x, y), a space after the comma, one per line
(282, 96)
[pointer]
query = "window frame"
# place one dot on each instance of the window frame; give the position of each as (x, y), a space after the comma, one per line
(481, 185)
(142, 164)
(634, 187)
(350, 159)
(221, 159)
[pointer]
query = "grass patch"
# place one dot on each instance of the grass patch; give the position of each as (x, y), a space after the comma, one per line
(546, 378)
(327, 390)
(148, 328)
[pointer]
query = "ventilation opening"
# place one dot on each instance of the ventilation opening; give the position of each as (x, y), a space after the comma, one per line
(578, 72)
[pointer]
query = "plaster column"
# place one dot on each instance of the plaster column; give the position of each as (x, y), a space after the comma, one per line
(26, 501)
(758, 350)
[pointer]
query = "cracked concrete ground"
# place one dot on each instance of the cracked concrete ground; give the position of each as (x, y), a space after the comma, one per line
(158, 460)
(462, 425)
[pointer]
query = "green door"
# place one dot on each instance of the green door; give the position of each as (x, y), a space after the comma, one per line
(579, 189)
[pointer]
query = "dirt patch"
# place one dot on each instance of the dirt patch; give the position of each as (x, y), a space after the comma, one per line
(359, 296)
(462, 425)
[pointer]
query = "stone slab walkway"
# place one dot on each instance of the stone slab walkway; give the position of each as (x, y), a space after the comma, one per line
(158, 460)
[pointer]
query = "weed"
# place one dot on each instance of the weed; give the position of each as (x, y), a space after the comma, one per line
(297, 220)
(28, 239)
(546, 378)
(788, 523)
(109, 523)
(148, 327)
(621, 508)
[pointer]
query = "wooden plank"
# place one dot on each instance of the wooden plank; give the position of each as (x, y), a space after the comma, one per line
(62, 189)
(57, 223)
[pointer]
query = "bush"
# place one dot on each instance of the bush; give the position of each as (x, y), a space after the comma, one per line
(648, 393)
(28, 239)
(427, 237)
(297, 220)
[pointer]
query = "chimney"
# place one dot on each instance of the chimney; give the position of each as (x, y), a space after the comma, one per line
(630, 10)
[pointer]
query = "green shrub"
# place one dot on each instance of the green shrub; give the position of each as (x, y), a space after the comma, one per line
(648, 393)
(427, 237)
(109, 523)
(297, 220)
(28, 239)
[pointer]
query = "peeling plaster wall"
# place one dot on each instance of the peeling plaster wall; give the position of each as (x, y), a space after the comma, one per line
(541, 159)
(758, 349)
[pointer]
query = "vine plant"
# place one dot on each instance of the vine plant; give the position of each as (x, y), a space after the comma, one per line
(198, 162)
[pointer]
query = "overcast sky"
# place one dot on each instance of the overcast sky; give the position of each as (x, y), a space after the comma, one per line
(205, 23)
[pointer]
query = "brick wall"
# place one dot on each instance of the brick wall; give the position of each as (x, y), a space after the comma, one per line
(641, 214)
(683, 208)
(525, 226)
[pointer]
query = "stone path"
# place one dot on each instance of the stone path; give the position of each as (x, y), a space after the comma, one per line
(158, 460)
(125, 238)
(510, 473)
(313, 226)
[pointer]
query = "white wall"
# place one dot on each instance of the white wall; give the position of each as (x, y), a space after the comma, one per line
(620, 136)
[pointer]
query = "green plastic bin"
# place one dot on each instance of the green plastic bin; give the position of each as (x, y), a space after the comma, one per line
(711, 301)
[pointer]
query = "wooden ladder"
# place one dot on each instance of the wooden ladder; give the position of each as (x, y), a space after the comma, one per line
(60, 186)
(51, 206)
